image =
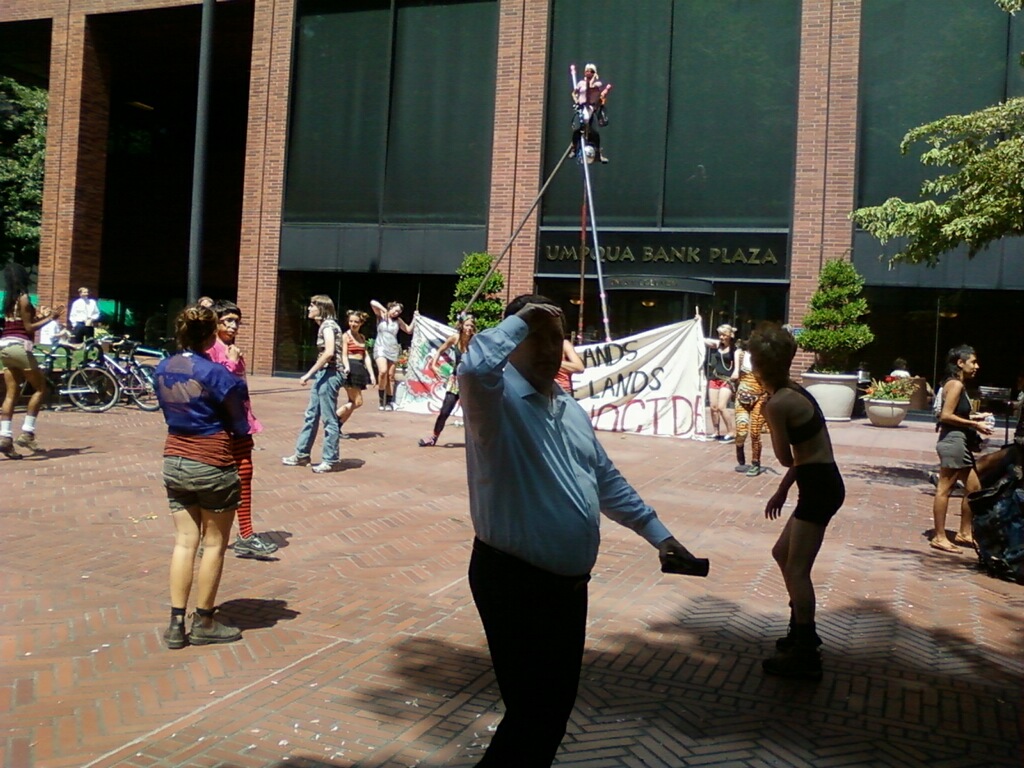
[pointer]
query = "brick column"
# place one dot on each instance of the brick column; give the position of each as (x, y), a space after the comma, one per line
(517, 159)
(263, 190)
(76, 162)
(826, 167)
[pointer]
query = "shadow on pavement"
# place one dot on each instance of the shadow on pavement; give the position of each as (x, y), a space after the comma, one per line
(904, 475)
(703, 686)
(252, 613)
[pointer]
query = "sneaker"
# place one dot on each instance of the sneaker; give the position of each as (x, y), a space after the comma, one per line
(344, 436)
(255, 546)
(427, 442)
(754, 471)
(324, 467)
(174, 635)
(212, 634)
(741, 468)
(729, 438)
(380, 407)
(295, 460)
(7, 448)
(28, 440)
(802, 664)
(603, 159)
(389, 407)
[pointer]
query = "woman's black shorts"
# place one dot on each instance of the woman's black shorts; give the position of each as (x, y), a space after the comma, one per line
(821, 492)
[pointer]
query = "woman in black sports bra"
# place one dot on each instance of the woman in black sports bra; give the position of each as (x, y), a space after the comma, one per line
(801, 442)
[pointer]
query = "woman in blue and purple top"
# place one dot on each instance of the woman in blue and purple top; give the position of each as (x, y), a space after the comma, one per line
(204, 407)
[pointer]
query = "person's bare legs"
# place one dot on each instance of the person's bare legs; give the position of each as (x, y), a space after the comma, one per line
(12, 382)
(355, 401)
(186, 542)
(35, 402)
(728, 415)
(795, 552)
(943, 489)
(391, 379)
(716, 413)
(720, 416)
(216, 533)
(971, 483)
(382, 378)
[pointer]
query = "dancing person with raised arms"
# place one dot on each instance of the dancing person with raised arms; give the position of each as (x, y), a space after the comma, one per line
(538, 481)
(386, 349)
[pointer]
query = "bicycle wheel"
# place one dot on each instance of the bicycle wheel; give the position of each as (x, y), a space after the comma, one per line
(142, 389)
(93, 389)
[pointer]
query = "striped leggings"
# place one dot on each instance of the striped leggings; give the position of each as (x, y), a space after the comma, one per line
(241, 449)
(749, 418)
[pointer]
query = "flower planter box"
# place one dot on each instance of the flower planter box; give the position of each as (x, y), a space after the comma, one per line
(886, 413)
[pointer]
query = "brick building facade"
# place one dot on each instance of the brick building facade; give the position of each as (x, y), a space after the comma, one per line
(824, 173)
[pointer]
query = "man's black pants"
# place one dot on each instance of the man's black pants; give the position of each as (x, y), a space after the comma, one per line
(535, 623)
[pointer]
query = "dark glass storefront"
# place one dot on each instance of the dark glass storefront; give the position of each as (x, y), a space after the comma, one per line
(389, 155)
(917, 312)
(701, 142)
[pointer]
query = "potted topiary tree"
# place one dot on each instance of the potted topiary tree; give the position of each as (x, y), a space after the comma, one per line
(833, 332)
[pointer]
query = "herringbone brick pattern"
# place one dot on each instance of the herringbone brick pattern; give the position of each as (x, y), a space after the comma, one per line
(362, 647)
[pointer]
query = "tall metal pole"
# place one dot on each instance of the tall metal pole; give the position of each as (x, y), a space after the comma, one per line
(195, 232)
(583, 268)
(597, 249)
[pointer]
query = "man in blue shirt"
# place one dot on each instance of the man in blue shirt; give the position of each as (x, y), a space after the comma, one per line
(538, 481)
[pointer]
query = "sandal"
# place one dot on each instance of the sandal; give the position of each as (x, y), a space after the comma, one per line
(963, 541)
(944, 546)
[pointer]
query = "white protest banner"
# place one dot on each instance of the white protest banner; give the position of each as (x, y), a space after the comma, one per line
(652, 383)
(424, 387)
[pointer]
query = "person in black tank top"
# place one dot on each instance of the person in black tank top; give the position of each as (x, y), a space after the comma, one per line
(801, 442)
(723, 371)
(958, 435)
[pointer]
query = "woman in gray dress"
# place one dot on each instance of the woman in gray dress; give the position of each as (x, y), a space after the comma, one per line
(386, 349)
(959, 431)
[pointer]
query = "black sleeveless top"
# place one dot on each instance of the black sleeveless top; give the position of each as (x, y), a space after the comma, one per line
(811, 427)
(722, 363)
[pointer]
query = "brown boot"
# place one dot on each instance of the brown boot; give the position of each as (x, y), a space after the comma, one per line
(7, 448)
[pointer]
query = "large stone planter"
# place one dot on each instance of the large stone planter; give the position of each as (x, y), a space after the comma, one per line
(835, 393)
(886, 413)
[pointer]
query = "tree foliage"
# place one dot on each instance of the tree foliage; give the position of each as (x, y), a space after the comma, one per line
(487, 310)
(977, 200)
(831, 330)
(22, 158)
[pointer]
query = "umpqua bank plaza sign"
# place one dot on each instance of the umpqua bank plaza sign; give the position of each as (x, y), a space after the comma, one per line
(754, 256)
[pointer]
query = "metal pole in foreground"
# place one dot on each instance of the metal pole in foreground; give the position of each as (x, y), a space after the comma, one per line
(195, 232)
(597, 250)
(508, 244)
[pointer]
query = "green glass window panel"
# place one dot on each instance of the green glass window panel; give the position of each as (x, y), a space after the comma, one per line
(920, 61)
(442, 108)
(628, 42)
(732, 113)
(339, 111)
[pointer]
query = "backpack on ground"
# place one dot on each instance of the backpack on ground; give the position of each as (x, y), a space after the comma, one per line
(998, 526)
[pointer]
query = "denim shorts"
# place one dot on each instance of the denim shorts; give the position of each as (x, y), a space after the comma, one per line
(191, 483)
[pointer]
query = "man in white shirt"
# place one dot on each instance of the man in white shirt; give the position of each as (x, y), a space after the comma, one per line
(83, 316)
(538, 481)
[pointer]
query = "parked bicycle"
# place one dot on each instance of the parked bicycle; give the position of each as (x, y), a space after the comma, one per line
(88, 388)
(135, 380)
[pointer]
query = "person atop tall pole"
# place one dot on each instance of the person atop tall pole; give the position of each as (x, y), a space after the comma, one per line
(589, 97)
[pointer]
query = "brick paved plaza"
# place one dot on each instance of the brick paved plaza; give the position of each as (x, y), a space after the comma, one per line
(362, 647)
